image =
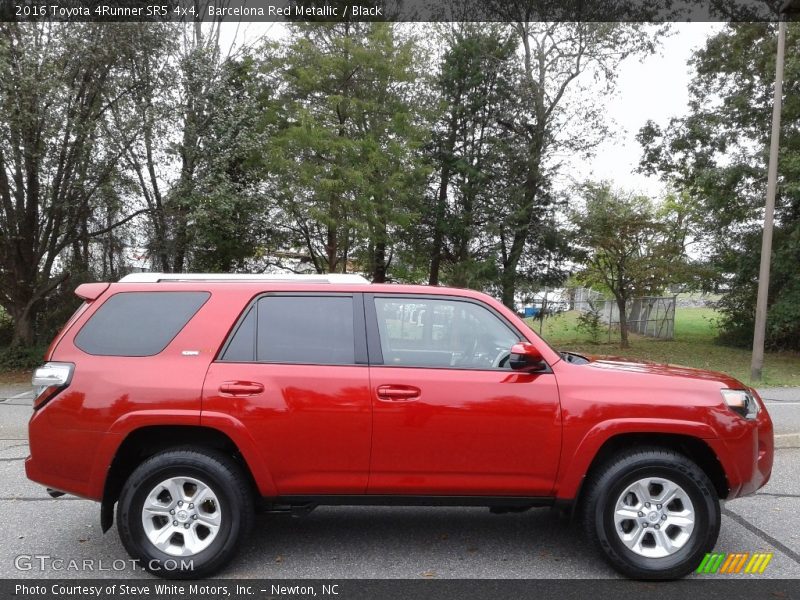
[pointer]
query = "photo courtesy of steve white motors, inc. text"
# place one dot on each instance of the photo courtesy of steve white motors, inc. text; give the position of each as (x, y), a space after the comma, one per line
(172, 589)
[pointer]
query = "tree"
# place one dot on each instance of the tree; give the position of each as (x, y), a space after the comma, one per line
(717, 155)
(557, 111)
(346, 165)
(629, 246)
(60, 149)
(189, 94)
(475, 86)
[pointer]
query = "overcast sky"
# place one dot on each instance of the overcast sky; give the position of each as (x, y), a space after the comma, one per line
(655, 88)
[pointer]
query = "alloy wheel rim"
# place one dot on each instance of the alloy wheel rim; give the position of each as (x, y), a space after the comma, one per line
(181, 516)
(654, 517)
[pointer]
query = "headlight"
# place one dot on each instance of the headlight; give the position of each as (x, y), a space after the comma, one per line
(741, 402)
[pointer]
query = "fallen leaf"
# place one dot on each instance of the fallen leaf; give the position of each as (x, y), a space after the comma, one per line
(429, 573)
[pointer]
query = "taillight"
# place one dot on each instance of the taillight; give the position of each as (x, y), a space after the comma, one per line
(49, 379)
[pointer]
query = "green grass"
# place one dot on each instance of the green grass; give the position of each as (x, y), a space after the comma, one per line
(693, 346)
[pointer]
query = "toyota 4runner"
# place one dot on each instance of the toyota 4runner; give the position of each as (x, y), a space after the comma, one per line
(190, 400)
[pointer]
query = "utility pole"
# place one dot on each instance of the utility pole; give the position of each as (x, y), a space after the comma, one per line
(757, 362)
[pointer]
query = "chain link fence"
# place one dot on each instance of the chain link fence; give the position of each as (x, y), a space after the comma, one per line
(652, 316)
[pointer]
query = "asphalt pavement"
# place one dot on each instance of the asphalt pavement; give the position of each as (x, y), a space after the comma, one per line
(42, 537)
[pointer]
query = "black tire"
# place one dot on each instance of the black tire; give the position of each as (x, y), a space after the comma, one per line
(225, 479)
(610, 480)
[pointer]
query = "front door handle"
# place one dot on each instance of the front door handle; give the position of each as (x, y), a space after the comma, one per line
(240, 388)
(398, 393)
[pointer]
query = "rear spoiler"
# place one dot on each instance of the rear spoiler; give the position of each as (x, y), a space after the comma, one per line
(91, 291)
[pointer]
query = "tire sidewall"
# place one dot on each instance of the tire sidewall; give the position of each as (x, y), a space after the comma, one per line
(158, 562)
(704, 534)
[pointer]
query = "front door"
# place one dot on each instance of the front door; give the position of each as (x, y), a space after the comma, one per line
(450, 417)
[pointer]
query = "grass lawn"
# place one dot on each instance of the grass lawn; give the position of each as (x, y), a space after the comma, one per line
(693, 346)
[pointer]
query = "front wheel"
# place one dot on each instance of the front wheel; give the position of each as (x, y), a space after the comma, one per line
(653, 512)
(183, 513)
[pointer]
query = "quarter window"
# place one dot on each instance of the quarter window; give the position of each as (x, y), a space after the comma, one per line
(138, 323)
(419, 332)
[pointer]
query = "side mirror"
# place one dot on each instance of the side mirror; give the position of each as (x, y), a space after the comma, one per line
(525, 357)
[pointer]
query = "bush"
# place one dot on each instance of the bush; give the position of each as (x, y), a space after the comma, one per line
(20, 358)
(591, 323)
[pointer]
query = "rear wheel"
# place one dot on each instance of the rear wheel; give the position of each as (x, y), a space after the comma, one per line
(653, 512)
(183, 513)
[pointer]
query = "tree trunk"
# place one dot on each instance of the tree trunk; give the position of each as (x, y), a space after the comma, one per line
(508, 284)
(379, 269)
(438, 225)
(623, 322)
(332, 248)
(23, 327)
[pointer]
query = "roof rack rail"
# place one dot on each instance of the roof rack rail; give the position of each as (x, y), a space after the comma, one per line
(240, 277)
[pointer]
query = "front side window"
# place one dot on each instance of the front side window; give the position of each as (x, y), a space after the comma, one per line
(421, 332)
(295, 330)
(138, 323)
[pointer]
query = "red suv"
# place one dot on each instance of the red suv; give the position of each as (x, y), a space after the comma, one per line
(190, 400)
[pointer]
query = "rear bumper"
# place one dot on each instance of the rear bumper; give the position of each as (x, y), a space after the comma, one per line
(747, 458)
(64, 458)
(56, 482)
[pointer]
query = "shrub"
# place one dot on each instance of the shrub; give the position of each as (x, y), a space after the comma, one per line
(20, 358)
(591, 323)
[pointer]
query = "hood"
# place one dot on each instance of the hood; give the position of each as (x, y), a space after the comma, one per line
(617, 363)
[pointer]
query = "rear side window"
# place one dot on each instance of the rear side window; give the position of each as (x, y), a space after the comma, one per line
(138, 323)
(296, 330)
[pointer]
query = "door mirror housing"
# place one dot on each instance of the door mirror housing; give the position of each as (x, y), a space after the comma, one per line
(526, 357)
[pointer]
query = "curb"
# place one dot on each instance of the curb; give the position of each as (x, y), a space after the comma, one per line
(787, 440)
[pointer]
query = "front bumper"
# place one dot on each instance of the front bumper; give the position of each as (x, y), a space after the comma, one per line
(747, 456)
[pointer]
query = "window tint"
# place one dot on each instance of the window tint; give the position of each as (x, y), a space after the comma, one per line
(417, 332)
(138, 323)
(296, 329)
(242, 348)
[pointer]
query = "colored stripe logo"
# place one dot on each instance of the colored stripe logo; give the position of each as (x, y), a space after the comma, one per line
(734, 563)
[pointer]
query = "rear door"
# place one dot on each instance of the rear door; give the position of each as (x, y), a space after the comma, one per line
(294, 373)
(450, 417)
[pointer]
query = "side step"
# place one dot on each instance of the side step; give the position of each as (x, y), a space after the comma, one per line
(295, 510)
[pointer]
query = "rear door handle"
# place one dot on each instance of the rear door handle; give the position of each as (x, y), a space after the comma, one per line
(398, 393)
(240, 388)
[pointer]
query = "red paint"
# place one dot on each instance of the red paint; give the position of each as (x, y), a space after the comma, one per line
(311, 429)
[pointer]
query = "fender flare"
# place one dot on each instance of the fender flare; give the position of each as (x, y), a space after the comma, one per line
(574, 467)
(134, 421)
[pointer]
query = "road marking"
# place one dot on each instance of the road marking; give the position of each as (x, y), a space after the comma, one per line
(20, 395)
(762, 534)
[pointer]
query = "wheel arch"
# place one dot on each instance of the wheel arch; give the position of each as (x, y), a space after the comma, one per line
(696, 449)
(146, 441)
(688, 438)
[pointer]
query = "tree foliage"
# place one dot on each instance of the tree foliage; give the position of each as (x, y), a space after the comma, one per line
(408, 153)
(630, 246)
(718, 155)
(60, 149)
(347, 152)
